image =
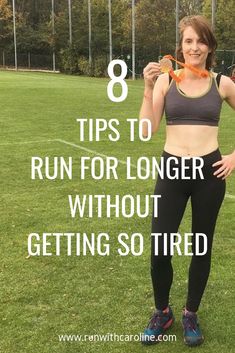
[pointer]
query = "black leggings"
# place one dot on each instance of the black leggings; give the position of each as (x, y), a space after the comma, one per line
(206, 198)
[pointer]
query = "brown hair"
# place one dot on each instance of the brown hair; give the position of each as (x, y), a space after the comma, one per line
(203, 29)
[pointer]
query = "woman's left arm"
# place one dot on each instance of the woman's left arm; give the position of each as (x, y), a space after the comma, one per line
(227, 88)
(227, 163)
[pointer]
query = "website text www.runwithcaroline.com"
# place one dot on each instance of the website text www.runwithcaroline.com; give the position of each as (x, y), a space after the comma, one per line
(112, 337)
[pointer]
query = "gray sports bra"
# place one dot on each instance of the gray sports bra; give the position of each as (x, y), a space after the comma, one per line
(205, 109)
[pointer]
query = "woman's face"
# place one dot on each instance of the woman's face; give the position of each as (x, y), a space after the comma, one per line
(194, 49)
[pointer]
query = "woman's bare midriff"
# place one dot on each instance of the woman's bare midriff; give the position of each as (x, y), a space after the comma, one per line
(191, 140)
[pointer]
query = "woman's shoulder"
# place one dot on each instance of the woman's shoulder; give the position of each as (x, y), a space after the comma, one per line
(178, 72)
(226, 85)
(162, 83)
(165, 76)
(165, 80)
(223, 78)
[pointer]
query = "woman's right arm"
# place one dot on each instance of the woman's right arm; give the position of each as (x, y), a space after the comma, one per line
(153, 101)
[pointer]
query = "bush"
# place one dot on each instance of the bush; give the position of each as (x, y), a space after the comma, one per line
(72, 63)
(84, 67)
(69, 61)
(100, 66)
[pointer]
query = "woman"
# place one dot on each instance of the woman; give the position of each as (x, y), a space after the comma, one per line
(192, 108)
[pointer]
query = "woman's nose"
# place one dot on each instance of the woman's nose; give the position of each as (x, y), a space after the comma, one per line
(194, 46)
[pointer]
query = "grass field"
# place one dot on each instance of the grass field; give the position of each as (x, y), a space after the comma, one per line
(43, 297)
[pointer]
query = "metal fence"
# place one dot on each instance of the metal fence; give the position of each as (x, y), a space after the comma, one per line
(26, 60)
(225, 61)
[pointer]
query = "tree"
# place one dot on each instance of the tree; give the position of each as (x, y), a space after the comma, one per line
(5, 23)
(155, 29)
(190, 7)
(224, 22)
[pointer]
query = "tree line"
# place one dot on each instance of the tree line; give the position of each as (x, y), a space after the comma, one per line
(154, 28)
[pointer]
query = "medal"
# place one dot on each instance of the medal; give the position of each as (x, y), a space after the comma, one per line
(166, 66)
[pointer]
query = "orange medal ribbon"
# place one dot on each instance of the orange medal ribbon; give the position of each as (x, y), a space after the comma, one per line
(166, 66)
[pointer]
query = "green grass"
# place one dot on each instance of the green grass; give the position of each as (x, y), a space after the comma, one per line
(42, 297)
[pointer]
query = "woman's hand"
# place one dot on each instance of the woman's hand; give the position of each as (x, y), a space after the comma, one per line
(151, 73)
(227, 165)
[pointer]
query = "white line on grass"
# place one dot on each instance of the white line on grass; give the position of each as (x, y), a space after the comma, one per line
(229, 196)
(91, 151)
(26, 142)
